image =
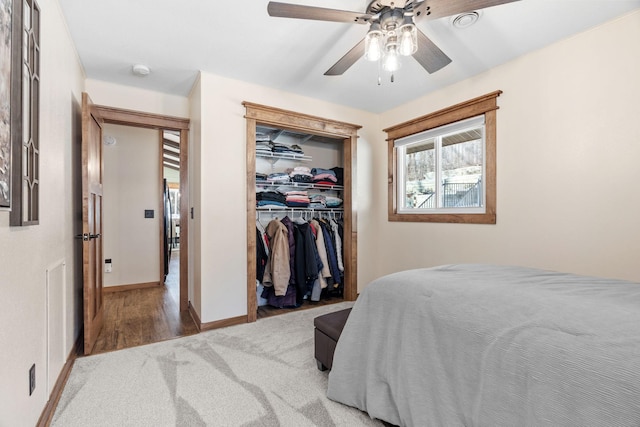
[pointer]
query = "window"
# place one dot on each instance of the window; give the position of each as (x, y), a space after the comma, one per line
(442, 165)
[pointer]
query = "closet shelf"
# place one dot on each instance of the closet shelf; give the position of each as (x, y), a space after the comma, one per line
(274, 157)
(300, 185)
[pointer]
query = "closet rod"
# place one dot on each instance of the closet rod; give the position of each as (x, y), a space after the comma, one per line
(332, 213)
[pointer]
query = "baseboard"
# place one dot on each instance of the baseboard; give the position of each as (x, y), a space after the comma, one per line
(223, 323)
(194, 316)
(120, 288)
(216, 324)
(52, 403)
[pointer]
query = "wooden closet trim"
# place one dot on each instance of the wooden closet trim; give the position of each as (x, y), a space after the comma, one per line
(257, 114)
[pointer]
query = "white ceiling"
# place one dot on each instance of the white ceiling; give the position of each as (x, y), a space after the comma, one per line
(238, 39)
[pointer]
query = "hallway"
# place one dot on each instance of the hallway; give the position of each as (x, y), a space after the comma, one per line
(144, 316)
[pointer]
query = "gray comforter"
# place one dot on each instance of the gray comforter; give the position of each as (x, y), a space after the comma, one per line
(480, 345)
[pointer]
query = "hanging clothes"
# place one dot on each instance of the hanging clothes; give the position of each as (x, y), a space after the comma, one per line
(325, 272)
(290, 299)
(302, 260)
(307, 261)
(286, 221)
(277, 271)
(261, 256)
(338, 241)
(331, 253)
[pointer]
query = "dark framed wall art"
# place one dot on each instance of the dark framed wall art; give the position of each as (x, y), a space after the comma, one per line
(22, 178)
(6, 26)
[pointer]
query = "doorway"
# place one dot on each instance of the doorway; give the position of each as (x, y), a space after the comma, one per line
(158, 125)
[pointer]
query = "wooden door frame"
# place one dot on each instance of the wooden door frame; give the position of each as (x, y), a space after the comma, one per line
(257, 114)
(119, 116)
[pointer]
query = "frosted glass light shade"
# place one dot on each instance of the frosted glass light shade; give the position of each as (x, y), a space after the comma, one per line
(391, 60)
(373, 44)
(408, 40)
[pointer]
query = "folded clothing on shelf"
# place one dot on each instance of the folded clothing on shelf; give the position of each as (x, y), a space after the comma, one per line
(262, 137)
(278, 177)
(324, 176)
(300, 174)
(286, 149)
(263, 149)
(270, 196)
(333, 202)
(318, 171)
(339, 174)
(270, 204)
(318, 201)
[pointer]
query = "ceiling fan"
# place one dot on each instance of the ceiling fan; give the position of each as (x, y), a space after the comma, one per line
(392, 30)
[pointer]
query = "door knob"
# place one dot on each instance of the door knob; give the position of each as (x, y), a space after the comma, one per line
(87, 236)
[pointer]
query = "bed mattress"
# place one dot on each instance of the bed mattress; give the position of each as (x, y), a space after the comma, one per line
(484, 345)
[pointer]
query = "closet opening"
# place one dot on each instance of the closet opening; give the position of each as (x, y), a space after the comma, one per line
(300, 216)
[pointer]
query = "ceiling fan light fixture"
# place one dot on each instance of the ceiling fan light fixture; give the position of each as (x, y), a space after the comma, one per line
(408, 38)
(373, 43)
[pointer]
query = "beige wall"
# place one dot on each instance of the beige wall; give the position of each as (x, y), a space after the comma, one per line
(132, 185)
(567, 164)
(26, 253)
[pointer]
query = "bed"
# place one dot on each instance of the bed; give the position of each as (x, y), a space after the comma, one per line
(484, 345)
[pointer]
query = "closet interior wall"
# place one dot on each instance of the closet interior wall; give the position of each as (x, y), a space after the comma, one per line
(326, 144)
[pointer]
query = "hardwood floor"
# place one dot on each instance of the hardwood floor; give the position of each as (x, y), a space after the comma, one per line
(144, 316)
(265, 311)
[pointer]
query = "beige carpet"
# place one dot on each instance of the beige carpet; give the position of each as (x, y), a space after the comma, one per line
(260, 374)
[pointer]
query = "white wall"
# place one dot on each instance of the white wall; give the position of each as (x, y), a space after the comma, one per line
(131, 98)
(27, 252)
(221, 200)
(567, 164)
(132, 185)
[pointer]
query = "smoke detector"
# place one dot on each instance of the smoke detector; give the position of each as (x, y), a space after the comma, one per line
(141, 70)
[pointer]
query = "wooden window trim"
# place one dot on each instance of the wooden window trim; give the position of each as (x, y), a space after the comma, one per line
(484, 105)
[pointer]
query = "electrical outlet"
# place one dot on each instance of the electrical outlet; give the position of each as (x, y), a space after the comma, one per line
(32, 379)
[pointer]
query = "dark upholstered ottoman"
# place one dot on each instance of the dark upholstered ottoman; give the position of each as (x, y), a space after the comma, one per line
(328, 330)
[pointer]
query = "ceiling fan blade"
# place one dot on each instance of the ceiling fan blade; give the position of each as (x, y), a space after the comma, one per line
(441, 8)
(429, 55)
(347, 60)
(286, 10)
